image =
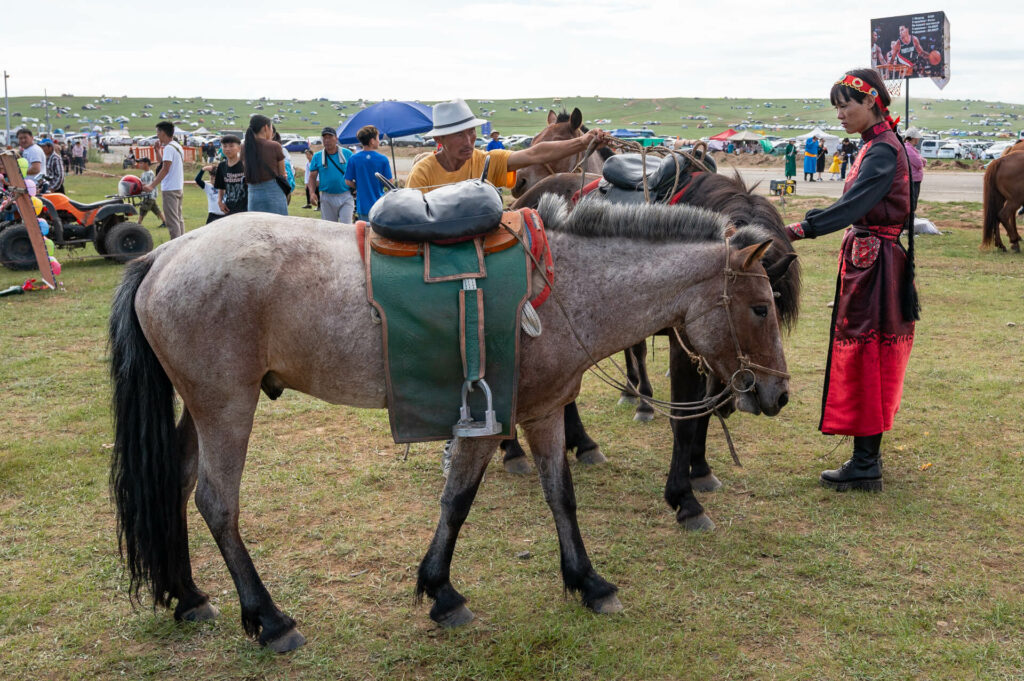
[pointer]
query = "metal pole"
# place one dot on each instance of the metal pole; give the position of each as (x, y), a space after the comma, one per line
(46, 99)
(906, 86)
(7, 109)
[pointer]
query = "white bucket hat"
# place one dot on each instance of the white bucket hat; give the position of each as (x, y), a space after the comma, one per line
(451, 117)
(912, 134)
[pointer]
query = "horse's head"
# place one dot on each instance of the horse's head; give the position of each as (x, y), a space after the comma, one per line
(562, 126)
(732, 323)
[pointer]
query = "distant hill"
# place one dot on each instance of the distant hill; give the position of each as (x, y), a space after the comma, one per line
(670, 117)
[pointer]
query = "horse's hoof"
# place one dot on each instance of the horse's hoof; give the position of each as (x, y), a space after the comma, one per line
(643, 416)
(456, 618)
(609, 605)
(629, 399)
(1015, 248)
(287, 642)
(517, 466)
(706, 483)
(201, 613)
(591, 457)
(699, 523)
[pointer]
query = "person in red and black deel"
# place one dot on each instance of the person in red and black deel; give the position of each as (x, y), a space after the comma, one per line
(872, 329)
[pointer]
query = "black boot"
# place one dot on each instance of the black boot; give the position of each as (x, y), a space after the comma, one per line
(863, 471)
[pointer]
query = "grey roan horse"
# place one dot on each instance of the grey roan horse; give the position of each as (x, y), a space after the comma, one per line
(229, 309)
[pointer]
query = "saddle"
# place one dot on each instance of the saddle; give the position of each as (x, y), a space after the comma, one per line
(449, 284)
(623, 177)
(449, 214)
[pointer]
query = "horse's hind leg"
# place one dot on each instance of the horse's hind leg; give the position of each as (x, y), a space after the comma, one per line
(193, 604)
(547, 442)
(514, 458)
(577, 439)
(1008, 216)
(469, 460)
(224, 436)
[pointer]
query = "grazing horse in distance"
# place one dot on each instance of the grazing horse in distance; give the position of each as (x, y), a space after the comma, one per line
(561, 126)
(1003, 196)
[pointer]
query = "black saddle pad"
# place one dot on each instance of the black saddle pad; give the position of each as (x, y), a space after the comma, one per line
(451, 213)
(95, 204)
(626, 170)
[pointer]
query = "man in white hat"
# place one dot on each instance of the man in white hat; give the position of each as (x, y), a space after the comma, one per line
(458, 159)
(913, 137)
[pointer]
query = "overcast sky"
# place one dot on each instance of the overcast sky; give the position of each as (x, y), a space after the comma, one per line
(439, 49)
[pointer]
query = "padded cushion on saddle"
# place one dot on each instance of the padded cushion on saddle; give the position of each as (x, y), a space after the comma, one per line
(451, 213)
(626, 170)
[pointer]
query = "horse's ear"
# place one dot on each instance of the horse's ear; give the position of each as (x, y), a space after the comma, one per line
(781, 267)
(575, 119)
(552, 117)
(752, 254)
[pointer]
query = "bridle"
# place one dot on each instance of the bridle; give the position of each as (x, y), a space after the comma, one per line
(696, 409)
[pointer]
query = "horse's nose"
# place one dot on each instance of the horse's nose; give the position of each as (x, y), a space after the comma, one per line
(783, 400)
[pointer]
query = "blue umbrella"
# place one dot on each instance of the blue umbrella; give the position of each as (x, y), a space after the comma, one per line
(393, 119)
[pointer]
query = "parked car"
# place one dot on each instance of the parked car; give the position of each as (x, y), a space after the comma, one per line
(930, 148)
(996, 150)
(950, 150)
(295, 145)
(415, 140)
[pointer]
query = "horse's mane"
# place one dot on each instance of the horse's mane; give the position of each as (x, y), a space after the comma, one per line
(640, 221)
(730, 196)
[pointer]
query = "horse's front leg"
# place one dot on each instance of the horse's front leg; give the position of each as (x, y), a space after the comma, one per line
(547, 443)
(469, 460)
(636, 375)
(688, 439)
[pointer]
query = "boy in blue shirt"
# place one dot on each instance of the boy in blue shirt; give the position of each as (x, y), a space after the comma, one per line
(362, 169)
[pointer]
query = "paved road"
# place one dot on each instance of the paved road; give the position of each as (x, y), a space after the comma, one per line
(938, 186)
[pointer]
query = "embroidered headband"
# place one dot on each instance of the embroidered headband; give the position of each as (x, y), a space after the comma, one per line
(862, 86)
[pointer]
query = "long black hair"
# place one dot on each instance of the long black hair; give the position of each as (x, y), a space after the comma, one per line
(250, 148)
(910, 306)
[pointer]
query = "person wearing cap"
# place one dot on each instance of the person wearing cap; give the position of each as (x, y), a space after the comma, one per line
(54, 166)
(458, 159)
(495, 143)
(327, 173)
(913, 138)
(32, 153)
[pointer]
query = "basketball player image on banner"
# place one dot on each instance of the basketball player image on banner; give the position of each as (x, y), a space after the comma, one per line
(877, 54)
(907, 50)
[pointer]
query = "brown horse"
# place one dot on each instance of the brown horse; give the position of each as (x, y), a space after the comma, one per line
(1003, 197)
(561, 126)
(253, 318)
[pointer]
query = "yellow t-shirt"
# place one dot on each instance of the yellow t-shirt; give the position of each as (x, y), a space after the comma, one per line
(428, 174)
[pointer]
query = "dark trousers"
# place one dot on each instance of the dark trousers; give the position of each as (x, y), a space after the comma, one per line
(915, 190)
(210, 217)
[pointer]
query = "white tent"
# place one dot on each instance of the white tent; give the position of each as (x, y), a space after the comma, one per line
(200, 131)
(831, 141)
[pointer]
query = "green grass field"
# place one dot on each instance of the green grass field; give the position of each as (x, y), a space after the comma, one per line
(510, 116)
(919, 582)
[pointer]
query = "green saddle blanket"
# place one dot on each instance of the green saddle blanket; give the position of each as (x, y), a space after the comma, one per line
(426, 311)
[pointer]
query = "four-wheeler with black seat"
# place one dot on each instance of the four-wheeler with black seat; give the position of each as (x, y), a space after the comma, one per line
(105, 224)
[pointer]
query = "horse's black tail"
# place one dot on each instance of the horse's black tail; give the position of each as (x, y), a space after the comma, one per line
(992, 204)
(145, 467)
